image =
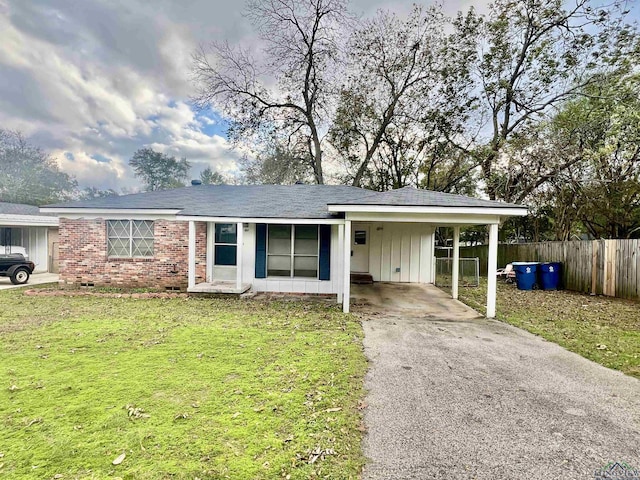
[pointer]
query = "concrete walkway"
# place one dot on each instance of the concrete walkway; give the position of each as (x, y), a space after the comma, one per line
(452, 395)
(35, 279)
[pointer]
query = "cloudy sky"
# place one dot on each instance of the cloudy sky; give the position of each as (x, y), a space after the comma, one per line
(91, 81)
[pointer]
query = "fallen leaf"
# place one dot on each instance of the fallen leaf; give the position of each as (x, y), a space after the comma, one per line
(13, 388)
(57, 476)
(235, 415)
(601, 346)
(119, 459)
(335, 409)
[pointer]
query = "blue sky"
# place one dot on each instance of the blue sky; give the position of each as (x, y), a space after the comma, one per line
(92, 81)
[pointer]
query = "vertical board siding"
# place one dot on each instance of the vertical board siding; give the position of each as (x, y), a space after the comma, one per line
(603, 267)
(407, 246)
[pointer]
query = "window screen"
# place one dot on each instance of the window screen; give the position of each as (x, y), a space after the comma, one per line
(292, 251)
(226, 248)
(130, 238)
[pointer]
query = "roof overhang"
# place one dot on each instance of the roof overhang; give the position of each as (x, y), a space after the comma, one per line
(28, 220)
(113, 213)
(286, 221)
(415, 209)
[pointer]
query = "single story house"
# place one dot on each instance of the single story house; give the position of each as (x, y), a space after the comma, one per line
(24, 229)
(268, 238)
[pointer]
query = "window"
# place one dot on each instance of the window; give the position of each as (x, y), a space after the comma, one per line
(360, 237)
(10, 236)
(292, 251)
(130, 238)
(226, 244)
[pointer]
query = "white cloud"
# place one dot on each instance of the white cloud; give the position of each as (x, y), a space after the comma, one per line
(93, 81)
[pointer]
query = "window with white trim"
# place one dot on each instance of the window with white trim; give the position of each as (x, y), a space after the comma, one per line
(130, 238)
(226, 244)
(292, 251)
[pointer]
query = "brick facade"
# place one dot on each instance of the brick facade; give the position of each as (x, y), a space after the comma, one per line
(83, 256)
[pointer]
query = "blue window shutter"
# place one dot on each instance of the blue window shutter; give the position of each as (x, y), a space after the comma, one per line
(325, 252)
(261, 250)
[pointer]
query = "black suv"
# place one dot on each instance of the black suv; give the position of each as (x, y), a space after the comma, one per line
(16, 267)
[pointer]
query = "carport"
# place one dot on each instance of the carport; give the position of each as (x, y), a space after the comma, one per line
(411, 216)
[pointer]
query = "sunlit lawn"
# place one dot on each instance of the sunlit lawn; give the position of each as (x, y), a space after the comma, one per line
(185, 388)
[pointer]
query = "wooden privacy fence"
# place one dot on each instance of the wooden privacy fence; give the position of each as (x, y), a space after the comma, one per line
(606, 267)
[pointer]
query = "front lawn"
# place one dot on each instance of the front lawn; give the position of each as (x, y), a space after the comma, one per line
(184, 387)
(603, 329)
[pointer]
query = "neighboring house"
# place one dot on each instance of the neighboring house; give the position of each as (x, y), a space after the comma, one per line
(23, 229)
(276, 238)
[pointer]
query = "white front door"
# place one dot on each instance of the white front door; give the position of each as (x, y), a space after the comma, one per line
(360, 249)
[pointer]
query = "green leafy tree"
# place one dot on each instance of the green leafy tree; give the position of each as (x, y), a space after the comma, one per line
(30, 175)
(404, 92)
(534, 55)
(209, 177)
(89, 193)
(159, 171)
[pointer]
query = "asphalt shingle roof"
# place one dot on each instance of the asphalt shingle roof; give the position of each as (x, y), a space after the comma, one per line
(273, 201)
(410, 196)
(19, 209)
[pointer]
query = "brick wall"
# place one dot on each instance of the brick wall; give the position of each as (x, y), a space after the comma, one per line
(83, 256)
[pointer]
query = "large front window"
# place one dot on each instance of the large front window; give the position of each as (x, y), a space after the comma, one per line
(292, 251)
(130, 238)
(226, 244)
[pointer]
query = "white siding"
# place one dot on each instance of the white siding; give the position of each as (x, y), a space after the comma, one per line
(401, 252)
(290, 285)
(34, 240)
(407, 246)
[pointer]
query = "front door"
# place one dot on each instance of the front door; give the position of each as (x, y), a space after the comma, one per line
(360, 249)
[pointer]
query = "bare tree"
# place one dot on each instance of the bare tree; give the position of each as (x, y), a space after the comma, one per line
(285, 90)
(402, 69)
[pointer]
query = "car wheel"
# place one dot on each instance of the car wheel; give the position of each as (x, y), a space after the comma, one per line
(20, 276)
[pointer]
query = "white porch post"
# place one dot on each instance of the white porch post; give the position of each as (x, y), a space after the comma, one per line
(492, 266)
(239, 241)
(346, 265)
(340, 255)
(191, 275)
(455, 267)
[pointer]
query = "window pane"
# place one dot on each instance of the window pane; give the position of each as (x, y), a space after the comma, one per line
(280, 239)
(305, 267)
(226, 233)
(279, 266)
(360, 237)
(142, 229)
(306, 239)
(118, 247)
(118, 228)
(142, 247)
(225, 255)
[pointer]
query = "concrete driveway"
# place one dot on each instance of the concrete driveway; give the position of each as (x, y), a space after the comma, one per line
(453, 395)
(35, 279)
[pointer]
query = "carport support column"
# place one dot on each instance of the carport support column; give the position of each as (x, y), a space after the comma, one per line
(191, 268)
(239, 241)
(455, 267)
(346, 265)
(340, 250)
(492, 265)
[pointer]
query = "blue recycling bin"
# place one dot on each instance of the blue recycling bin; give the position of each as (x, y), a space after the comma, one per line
(526, 275)
(549, 273)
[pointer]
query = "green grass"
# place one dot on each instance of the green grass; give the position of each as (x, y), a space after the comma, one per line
(603, 329)
(187, 388)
